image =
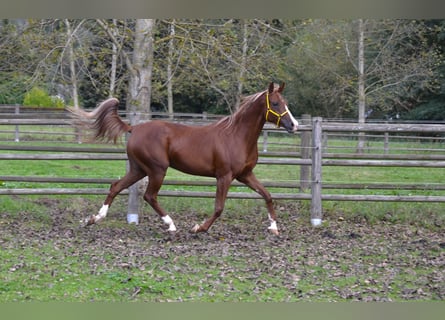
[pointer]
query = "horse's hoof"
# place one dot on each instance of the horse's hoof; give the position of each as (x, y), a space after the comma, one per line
(89, 221)
(195, 229)
(170, 235)
(172, 228)
(274, 231)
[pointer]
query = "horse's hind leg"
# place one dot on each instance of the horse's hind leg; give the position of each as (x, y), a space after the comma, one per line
(252, 182)
(151, 196)
(132, 176)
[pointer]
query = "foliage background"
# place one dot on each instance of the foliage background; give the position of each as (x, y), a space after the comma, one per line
(214, 61)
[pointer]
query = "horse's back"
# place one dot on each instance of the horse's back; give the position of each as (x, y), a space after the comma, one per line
(158, 131)
(190, 149)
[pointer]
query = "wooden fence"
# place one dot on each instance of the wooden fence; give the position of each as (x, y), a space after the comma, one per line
(21, 118)
(311, 155)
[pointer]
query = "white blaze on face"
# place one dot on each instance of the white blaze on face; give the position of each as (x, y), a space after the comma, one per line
(294, 121)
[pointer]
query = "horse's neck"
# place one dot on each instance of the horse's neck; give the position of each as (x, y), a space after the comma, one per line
(249, 124)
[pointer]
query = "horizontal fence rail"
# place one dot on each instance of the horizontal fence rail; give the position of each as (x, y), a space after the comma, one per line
(212, 183)
(232, 195)
(311, 156)
(357, 163)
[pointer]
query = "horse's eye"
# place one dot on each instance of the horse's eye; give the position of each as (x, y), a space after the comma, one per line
(275, 104)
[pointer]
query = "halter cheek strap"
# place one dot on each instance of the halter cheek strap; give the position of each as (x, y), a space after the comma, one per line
(276, 114)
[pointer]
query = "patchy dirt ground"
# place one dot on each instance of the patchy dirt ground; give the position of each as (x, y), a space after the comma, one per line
(341, 260)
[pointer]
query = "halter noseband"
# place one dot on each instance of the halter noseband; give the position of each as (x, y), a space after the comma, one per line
(276, 114)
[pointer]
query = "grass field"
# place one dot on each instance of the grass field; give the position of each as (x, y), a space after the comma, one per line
(363, 252)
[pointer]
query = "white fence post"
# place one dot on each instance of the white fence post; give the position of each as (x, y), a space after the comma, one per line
(316, 205)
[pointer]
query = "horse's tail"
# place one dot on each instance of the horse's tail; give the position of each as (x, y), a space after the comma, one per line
(107, 124)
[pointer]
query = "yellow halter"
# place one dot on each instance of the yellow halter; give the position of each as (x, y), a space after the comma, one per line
(276, 114)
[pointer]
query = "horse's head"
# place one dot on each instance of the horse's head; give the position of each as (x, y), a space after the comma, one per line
(277, 111)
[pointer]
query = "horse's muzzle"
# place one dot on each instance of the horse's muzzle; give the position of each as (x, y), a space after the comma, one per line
(290, 126)
(293, 130)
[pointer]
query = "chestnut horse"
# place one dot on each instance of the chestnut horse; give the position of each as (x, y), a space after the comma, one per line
(226, 150)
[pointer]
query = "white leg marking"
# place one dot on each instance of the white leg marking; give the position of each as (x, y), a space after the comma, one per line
(102, 213)
(169, 221)
(273, 226)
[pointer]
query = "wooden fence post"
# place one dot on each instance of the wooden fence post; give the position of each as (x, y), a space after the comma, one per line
(305, 150)
(134, 190)
(316, 205)
(17, 132)
(265, 136)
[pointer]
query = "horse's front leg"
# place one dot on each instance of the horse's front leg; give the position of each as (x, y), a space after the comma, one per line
(222, 188)
(252, 182)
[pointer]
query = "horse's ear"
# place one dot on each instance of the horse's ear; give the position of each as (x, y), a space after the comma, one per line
(281, 88)
(271, 87)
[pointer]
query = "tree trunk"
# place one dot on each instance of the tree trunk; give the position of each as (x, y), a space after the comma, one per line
(142, 67)
(72, 64)
(140, 94)
(243, 65)
(73, 75)
(171, 47)
(361, 85)
(113, 63)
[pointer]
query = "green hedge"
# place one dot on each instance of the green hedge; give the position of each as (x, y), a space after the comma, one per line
(38, 97)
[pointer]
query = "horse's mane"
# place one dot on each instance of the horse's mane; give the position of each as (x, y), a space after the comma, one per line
(246, 102)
